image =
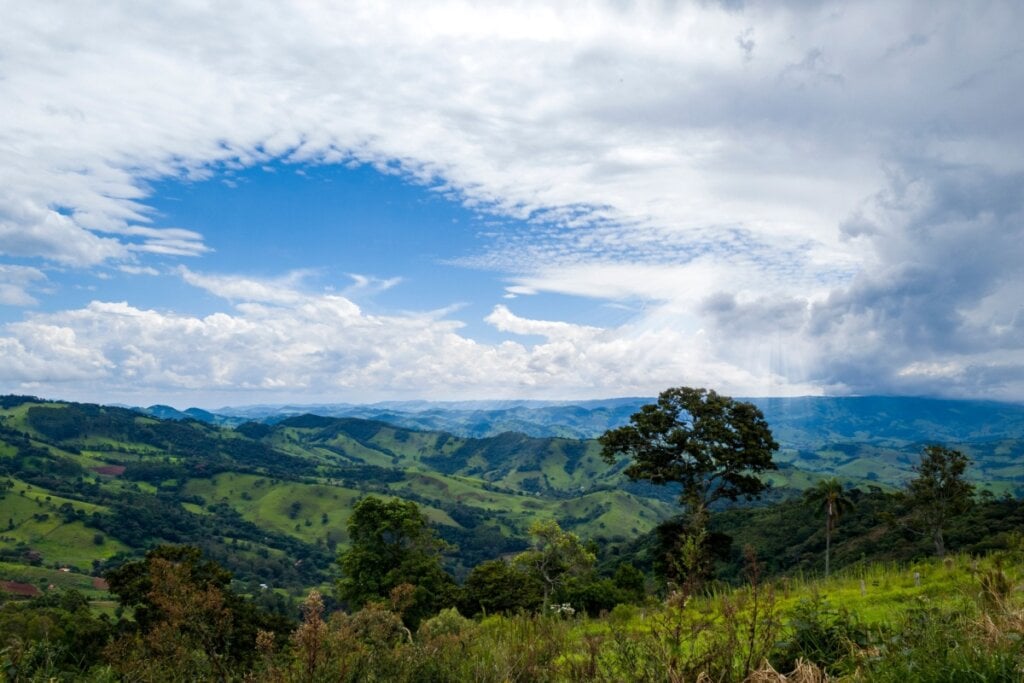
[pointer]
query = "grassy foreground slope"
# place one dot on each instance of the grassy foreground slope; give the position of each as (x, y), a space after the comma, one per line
(961, 619)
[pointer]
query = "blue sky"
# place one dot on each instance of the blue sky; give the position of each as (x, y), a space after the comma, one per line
(461, 200)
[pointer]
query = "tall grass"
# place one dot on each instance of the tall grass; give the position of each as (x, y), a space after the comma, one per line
(957, 620)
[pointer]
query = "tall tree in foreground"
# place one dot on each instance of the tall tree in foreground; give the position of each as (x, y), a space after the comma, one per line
(713, 446)
(939, 492)
(828, 495)
(392, 544)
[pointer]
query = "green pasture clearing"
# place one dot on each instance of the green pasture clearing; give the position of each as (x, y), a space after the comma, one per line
(287, 507)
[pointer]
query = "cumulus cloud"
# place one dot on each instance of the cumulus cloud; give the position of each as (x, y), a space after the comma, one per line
(842, 178)
(324, 346)
(943, 307)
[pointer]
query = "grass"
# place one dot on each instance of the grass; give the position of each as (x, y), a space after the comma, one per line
(33, 518)
(940, 626)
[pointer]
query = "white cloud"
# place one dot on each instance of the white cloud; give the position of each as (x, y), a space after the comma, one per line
(322, 346)
(765, 169)
(506, 321)
(15, 283)
(368, 284)
(283, 290)
(138, 270)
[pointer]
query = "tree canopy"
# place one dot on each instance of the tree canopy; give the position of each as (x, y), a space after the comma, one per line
(939, 492)
(186, 617)
(393, 544)
(555, 555)
(713, 445)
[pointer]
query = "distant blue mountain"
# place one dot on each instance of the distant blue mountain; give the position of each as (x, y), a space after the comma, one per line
(801, 422)
(873, 438)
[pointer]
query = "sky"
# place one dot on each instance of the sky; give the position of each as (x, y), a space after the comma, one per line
(211, 203)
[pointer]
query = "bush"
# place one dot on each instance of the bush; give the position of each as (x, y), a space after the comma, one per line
(830, 638)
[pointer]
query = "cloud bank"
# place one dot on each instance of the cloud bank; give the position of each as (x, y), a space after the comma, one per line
(793, 198)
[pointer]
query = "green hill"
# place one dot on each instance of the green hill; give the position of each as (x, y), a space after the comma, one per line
(89, 484)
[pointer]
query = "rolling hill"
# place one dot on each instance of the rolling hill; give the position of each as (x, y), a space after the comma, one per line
(86, 485)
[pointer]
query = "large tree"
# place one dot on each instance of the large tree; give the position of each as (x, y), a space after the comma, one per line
(828, 495)
(714, 446)
(186, 620)
(391, 543)
(939, 492)
(500, 586)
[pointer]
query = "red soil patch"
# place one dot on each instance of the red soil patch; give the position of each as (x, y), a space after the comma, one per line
(17, 588)
(100, 584)
(110, 470)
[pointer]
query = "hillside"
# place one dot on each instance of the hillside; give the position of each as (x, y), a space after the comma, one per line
(89, 483)
(271, 500)
(85, 487)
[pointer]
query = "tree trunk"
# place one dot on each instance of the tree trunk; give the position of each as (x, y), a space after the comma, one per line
(940, 543)
(828, 535)
(828, 547)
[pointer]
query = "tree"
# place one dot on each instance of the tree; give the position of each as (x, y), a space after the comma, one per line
(939, 492)
(712, 446)
(186, 618)
(555, 555)
(392, 544)
(499, 586)
(828, 495)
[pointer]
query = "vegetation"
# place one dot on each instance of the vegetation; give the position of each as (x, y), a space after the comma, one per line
(714, 447)
(711, 445)
(958, 619)
(828, 495)
(393, 547)
(939, 492)
(343, 549)
(554, 557)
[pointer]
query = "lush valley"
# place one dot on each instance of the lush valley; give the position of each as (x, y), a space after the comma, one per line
(257, 493)
(87, 489)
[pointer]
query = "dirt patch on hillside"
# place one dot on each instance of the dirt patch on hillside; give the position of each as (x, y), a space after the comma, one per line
(100, 584)
(110, 470)
(18, 588)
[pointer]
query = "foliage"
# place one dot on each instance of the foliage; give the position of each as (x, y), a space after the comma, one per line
(392, 544)
(829, 497)
(713, 445)
(554, 556)
(939, 492)
(820, 633)
(52, 636)
(186, 618)
(498, 586)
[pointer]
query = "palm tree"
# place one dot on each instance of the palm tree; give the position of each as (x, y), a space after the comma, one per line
(828, 495)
